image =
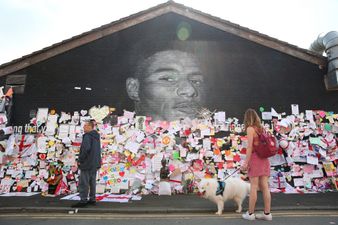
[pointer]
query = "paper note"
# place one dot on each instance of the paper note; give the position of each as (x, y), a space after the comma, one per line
(124, 184)
(329, 168)
(317, 173)
(140, 136)
(209, 154)
(23, 183)
(322, 152)
(219, 118)
(98, 114)
(29, 174)
(129, 115)
(115, 189)
(43, 173)
(140, 176)
(64, 117)
(220, 174)
(149, 184)
(309, 115)
(3, 118)
(274, 113)
(41, 116)
(78, 130)
(206, 144)
(322, 114)
(266, 116)
(122, 120)
(312, 159)
(183, 152)
(72, 132)
(218, 158)
(140, 122)
(294, 109)
(277, 160)
(335, 129)
(315, 141)
(308, 169)
(132, 146)
(191, 156)
(298, 182)
(63, 131)
(156, 162)
(176, 155)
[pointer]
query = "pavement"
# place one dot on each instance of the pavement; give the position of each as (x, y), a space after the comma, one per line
(167, 204)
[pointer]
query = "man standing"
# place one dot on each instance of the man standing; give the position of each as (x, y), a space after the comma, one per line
(89, 162)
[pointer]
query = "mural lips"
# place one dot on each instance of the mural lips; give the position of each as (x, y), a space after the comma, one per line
(189, 108)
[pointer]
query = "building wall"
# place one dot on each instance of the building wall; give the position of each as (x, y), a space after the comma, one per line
(238, 73)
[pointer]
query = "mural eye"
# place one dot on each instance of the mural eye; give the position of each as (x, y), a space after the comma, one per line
(197, 82)
(168, 79)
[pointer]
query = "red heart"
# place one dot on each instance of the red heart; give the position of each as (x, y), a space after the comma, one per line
(243, 151)
(237, 158)
(121, 173)
(19, 188)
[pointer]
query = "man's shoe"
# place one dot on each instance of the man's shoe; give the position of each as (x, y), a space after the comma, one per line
(80, 205)
(91, 202)
(247, 216)
(263, 216)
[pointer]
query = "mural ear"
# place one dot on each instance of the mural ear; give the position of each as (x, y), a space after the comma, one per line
(132, 85)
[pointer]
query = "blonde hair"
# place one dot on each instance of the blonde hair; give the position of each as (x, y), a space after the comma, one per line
(251, 119)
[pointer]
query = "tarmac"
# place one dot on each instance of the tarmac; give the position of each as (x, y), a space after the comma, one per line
(150, 204)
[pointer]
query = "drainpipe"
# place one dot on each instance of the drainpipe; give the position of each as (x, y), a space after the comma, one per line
(328, 43)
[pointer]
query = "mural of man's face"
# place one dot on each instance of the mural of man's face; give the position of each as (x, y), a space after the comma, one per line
(172, 86)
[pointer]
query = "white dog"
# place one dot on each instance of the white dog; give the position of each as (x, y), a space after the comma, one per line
(234, 189)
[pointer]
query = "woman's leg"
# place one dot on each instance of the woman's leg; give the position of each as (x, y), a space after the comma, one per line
(264, 185)
(253, 194)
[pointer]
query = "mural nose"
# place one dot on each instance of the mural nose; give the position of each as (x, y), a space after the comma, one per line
(186, 89)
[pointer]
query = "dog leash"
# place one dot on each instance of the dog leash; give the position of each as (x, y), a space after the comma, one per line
(222, 184)
(231, 174)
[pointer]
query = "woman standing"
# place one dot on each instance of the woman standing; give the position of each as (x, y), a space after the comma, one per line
(258, 168)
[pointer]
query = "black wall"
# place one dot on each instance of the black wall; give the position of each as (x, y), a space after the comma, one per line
(240, 73)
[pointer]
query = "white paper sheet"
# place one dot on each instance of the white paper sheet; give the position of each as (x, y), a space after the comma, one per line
(309, 115)
(294, 109)
(156, 162)
(312, 159)
(266, 116)
(41, 116)
(63, 131)
(132, 146)
(206, 144)
(51, 124)
(298, 182)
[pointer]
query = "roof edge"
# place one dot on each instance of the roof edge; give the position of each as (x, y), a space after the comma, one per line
(251, 35)
(151, 13)
(84, 38)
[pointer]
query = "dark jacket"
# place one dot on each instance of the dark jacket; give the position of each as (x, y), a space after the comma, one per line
(90, 151)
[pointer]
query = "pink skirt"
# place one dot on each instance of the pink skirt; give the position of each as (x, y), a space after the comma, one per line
(258, 167)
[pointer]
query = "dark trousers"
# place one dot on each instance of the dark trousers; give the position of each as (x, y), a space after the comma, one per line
(87, 183)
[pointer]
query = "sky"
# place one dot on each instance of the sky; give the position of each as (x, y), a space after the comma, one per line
(30, 25)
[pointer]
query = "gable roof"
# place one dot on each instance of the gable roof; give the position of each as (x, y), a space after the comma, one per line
(154, 12)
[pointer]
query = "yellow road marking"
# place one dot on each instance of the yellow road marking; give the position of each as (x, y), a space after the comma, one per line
(109, 216)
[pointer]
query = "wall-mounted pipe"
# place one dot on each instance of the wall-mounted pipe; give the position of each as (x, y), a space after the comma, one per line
(328, 43)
